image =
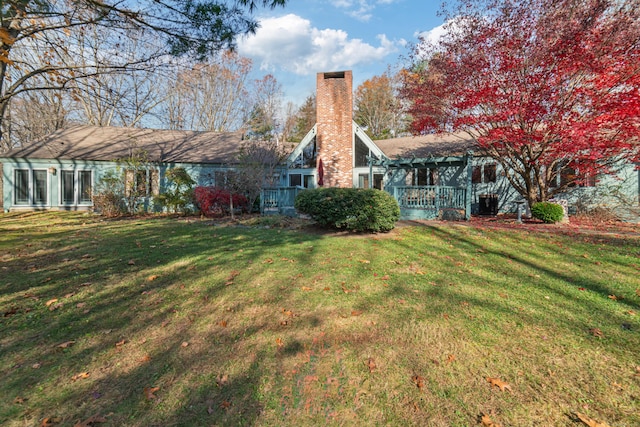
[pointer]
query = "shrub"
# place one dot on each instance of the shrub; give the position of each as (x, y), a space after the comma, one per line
(353, 209)
(215, 201)
(179, 197)
(547, 212)
(108, 196)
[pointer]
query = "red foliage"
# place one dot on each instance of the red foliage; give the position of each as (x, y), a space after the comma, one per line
(214, 201)
(540, 84)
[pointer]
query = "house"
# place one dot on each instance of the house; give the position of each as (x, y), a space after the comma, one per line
(62, 170)
(431, 176)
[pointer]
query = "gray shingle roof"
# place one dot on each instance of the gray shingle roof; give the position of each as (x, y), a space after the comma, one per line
(112, 143)
(425, 146)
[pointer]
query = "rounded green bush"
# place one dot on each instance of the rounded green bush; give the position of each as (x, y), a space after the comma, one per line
(547, 212)
(353, 209)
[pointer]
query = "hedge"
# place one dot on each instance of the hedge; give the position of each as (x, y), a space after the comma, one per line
(353, 209)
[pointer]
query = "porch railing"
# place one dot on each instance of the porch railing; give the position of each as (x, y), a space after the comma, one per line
(278, 198)
(432, 197)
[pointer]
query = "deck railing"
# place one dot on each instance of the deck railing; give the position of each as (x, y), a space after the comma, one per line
(278, 198)
(430, 197)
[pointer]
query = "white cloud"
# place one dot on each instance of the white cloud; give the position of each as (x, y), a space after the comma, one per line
(433, 35)
(291, 43)
(362, 10)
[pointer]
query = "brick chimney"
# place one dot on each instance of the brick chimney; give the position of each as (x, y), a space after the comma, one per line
(334, 107)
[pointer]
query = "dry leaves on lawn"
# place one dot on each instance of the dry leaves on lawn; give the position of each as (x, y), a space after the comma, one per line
(371, 364)
(486, 421)
(590, 421)
(418, 381)
(149, 392)
(499, 383)
(91, 421)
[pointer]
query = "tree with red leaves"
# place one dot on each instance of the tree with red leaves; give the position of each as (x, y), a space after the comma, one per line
(542, 86)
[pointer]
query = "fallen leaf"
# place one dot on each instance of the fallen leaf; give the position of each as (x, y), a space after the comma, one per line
(149, 392)
(615, 298)
(485, 420)
(36, 365)
(365, 261)
(121, 343)
(418, 381)
(56, 306)
(152, 277)
(638, 292)
(131, 262)
(184, 344)
(51, 301)
(145, 358)
(19, 400)
(356, 312)
(590, 421)
(499, 383)
(95, 419)
(225, 404)
(582, 289)
(11, 312)
(306, 288)
(80, 376)
(371, 364)
(279, 342)
(48, 422)
(66, 344)
(223, 323)
(596, 332)
(451, 358)
(222, 380)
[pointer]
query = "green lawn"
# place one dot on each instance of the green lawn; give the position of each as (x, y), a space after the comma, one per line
(167, 322)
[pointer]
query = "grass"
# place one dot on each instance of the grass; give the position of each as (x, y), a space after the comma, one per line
(162, 322)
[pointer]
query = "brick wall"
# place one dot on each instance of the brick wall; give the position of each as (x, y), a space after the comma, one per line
(334, 106)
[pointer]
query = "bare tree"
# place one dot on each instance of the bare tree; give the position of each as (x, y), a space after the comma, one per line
(210, 96)
(264, 118)
(35, 40)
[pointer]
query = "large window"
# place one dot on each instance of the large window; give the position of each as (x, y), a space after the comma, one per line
(484, 174)
(75, 187)
(300, 180)
(361, 153)
(30, 187)
(144, 182)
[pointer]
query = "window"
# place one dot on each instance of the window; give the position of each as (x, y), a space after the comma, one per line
(489, 173)
(39, 187)
(363, 180)
(299, 180)
(75, 187)
(295, 180)
(571, 177)
(30, 187)
(68, 187)
(426, 176)
(84, 186)
(21, 186)
(361, 152)
(484, 174)
(143, 182)
(308, 157)
(476, 175)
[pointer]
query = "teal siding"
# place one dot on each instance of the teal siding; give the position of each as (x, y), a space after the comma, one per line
(203, 174)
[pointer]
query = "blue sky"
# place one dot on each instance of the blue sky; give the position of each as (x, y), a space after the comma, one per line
(311, 36)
